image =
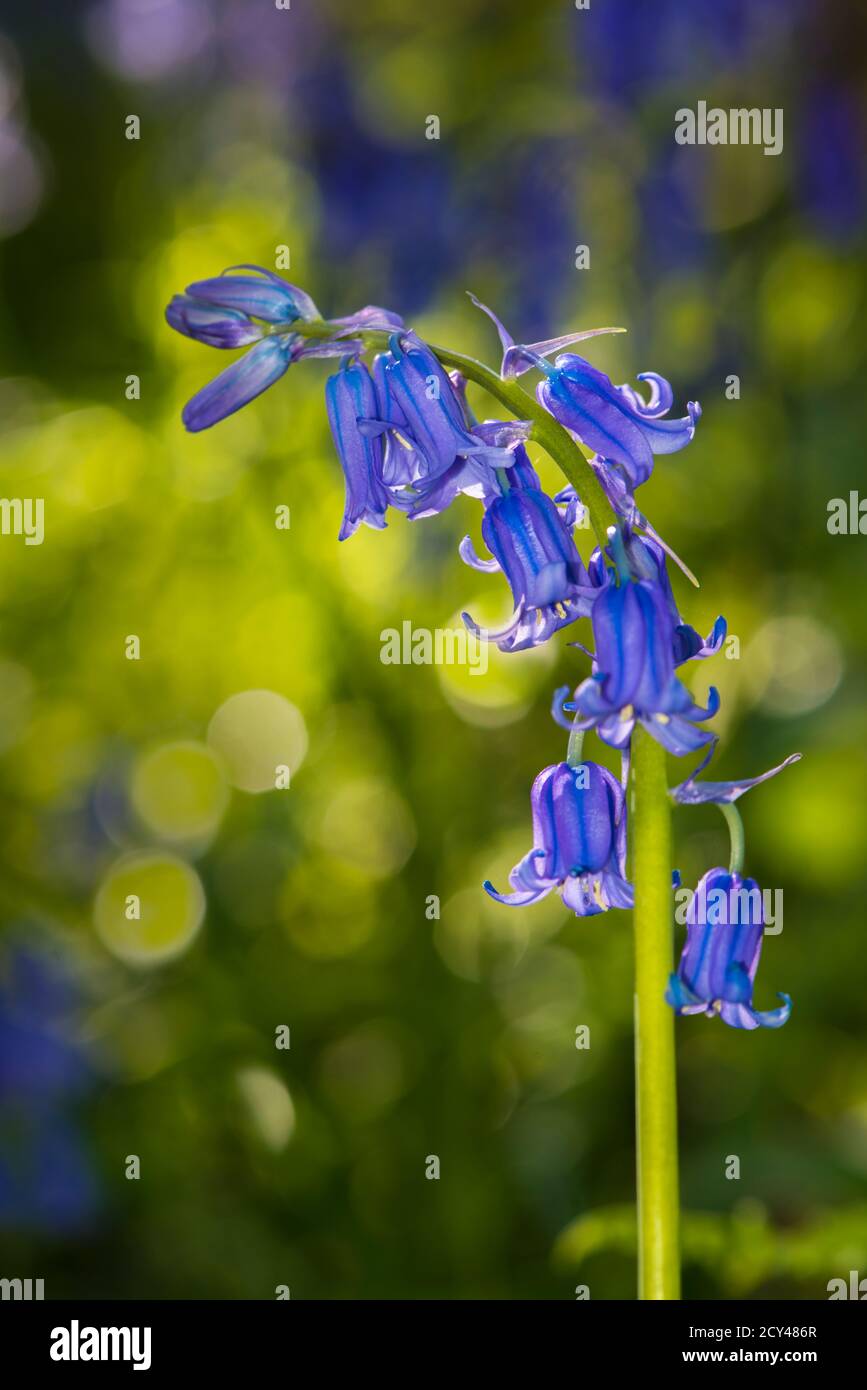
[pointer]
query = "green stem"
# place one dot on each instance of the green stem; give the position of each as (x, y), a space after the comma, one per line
(655, 1081)
(736, 836)
(576, 744)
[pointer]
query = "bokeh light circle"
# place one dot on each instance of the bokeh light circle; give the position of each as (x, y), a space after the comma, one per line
(254, 733)
(794, 664)
(179, 791)
(171, 906)
(269, 1106)
(368, 825)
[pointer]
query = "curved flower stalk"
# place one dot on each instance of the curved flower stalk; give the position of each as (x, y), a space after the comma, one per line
(408, 440)
(725, 922)
(579, 842)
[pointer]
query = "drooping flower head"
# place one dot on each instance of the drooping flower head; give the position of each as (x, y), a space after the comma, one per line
(579, 842)
(383, 463)
(419, 401)
(634, 677)
(229, 310)
(717, 970)
(350, 399)
(647, 560)
(258, 311)
(533, 547)
(615, 421)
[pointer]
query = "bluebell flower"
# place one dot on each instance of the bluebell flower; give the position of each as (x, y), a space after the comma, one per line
(579, 842)
(208, 323)
(533, 547)
(423, 418)
(384, 467)
(258, 311)
(245, 302)
(634, 677)
(646, 557)
(420, 403)
(239, 384)
(351, 399)
(693, 793)
(615, 421)
(717, 970)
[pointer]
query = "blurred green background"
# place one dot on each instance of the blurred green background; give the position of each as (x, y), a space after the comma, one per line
(307, 908)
